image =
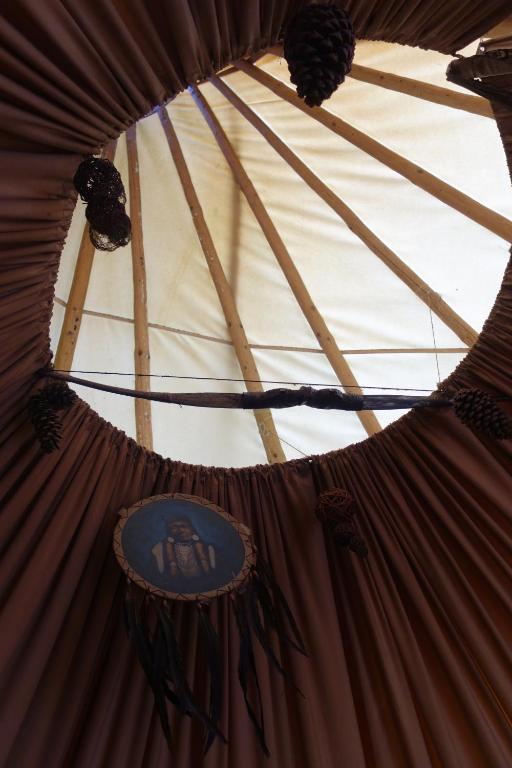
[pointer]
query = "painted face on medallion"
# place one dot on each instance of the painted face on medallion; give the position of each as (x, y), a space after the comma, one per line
(183, 547)
(181, 530)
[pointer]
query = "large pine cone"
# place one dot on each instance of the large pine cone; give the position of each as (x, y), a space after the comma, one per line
(319, 45)
(478, 410)
(45, 422)
(59, 395)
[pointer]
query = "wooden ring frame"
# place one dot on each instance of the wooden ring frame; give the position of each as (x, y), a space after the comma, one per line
(235, 583)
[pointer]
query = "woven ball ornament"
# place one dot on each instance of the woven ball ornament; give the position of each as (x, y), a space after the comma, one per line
(336, 509)
(334, 505)
(99, 184)
(97, 178)
(110, 226)
(478, 410)
(319, 45)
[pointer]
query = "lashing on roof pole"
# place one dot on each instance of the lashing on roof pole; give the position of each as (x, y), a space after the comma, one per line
(264, 418)
(290, 271)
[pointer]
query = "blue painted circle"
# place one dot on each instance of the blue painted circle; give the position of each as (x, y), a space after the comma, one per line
(207, 551)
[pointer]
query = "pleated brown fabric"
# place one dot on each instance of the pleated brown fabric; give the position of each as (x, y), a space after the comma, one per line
(409, 650)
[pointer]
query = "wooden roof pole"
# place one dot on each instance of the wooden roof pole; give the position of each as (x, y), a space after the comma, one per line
(432, 299)
(143, 423)
(78, 292)
(503, 29)
(264, 418)
(421, 90)
(311, 313)
(412, 87)
(276, 347)
(498, 37)
(461, 202)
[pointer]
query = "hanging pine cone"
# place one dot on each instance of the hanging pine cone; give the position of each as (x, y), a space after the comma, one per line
(59, 395)
(478, 410)
(319, 45)
(97, 178)
(45, 422)
(336, 509)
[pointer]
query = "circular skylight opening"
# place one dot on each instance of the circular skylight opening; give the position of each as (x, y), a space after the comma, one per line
(403, 291)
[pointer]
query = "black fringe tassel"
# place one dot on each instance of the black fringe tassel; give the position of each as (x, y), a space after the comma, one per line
(260, 611)
(177, 675)
(153, 635)
(211, 643)
(247, 670)
(151, 657)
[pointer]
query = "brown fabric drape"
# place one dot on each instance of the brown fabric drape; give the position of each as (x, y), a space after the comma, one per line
(410, 650)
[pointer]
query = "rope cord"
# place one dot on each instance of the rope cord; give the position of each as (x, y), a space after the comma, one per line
(434, 340)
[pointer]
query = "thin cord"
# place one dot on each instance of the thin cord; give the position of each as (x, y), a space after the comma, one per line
(265, 432)
(292, 446)
(242, 381)
(434, 340)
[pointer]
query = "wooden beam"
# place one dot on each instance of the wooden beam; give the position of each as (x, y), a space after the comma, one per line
(461, 202)
(503, 29)
(495, 44)
(276, 347)
(276, 50)
(140, 300)
(408, 85)
(264, 418)
(421, 90)
(313, 316)
(432, 299)
(78, 292)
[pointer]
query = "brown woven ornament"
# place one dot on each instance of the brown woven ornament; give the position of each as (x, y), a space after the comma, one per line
(98, 178)
(99, 184)
(319, 45)
(45, 421)
(336, 509)
(479, 411)
(110, 227)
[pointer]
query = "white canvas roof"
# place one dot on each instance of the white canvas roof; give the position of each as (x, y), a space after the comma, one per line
(388, 335)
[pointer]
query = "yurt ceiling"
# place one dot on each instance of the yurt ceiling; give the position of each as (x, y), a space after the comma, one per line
(400, 259)
(362, 246)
